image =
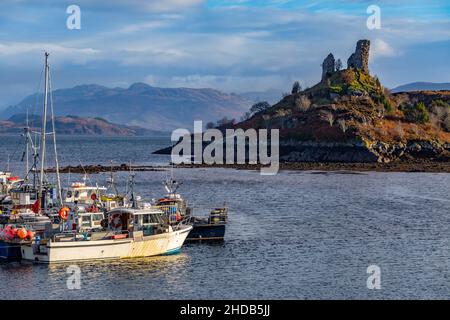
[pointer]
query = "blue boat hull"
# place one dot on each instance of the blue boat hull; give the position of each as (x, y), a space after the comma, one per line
(207, 232)
(10, 251)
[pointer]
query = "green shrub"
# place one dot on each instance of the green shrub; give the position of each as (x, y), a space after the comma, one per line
(440, 103)
(417, 113)
(387, 105)
(336, 89)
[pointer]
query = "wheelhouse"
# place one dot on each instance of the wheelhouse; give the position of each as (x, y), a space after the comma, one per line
(90, 220)
(82, 194)
(147, 221)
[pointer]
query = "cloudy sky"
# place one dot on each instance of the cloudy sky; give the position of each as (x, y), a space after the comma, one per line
(231, 45)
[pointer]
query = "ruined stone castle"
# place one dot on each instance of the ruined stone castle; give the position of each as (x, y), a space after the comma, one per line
(358, 60)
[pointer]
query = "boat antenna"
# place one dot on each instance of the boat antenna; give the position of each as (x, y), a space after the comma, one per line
(133, 196)
(27, 128)
(112, 182)
(86, 176)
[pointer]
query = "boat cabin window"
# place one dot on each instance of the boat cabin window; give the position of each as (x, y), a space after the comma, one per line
(147, 223)
(86, 221)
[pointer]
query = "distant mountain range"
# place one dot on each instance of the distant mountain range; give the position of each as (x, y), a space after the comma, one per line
(162, 109)
(74, 125)
(422, 86)
(272, 96)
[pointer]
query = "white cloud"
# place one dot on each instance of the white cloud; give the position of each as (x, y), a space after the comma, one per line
(171, 5)
(381, 48)
(147, 5)
(21, 51)
(143, 26)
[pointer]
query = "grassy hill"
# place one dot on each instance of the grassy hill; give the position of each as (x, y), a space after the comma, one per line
(351, 117)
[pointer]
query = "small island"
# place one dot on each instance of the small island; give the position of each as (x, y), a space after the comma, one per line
(350, 121)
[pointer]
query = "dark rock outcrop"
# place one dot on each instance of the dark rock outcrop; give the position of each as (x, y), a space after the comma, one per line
(328, 66)
(360, 58)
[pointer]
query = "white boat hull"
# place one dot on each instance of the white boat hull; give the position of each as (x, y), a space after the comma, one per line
(64, 251)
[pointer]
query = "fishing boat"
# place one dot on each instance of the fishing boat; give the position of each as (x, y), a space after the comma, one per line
(138, 230)
(132, 232)
(210, 228)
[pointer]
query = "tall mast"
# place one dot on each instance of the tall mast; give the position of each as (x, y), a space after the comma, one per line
(58, 178)
(26, 144)
(43, 131)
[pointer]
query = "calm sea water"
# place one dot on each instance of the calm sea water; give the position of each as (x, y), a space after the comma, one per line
(296, 235)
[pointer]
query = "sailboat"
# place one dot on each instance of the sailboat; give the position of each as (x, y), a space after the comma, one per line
(32, 201)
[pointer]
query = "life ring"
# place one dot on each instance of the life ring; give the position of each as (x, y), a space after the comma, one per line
(115, 220)
(64, 213)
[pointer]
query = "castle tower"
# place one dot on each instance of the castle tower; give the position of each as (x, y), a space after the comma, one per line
(328, 66)
(360, 59)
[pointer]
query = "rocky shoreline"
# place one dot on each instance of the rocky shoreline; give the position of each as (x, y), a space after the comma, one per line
(400, 166)
(90, 169)
(416, 165)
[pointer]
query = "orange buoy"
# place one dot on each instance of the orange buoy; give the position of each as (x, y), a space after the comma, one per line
(30, 235)
(64, 213)
(22, 233)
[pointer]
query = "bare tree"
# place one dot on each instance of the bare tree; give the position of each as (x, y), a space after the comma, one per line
(259, 107)
(343, 125)
(303, 103)
(225, 122)
(296, 88)
(210, 125)
(329, 117)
